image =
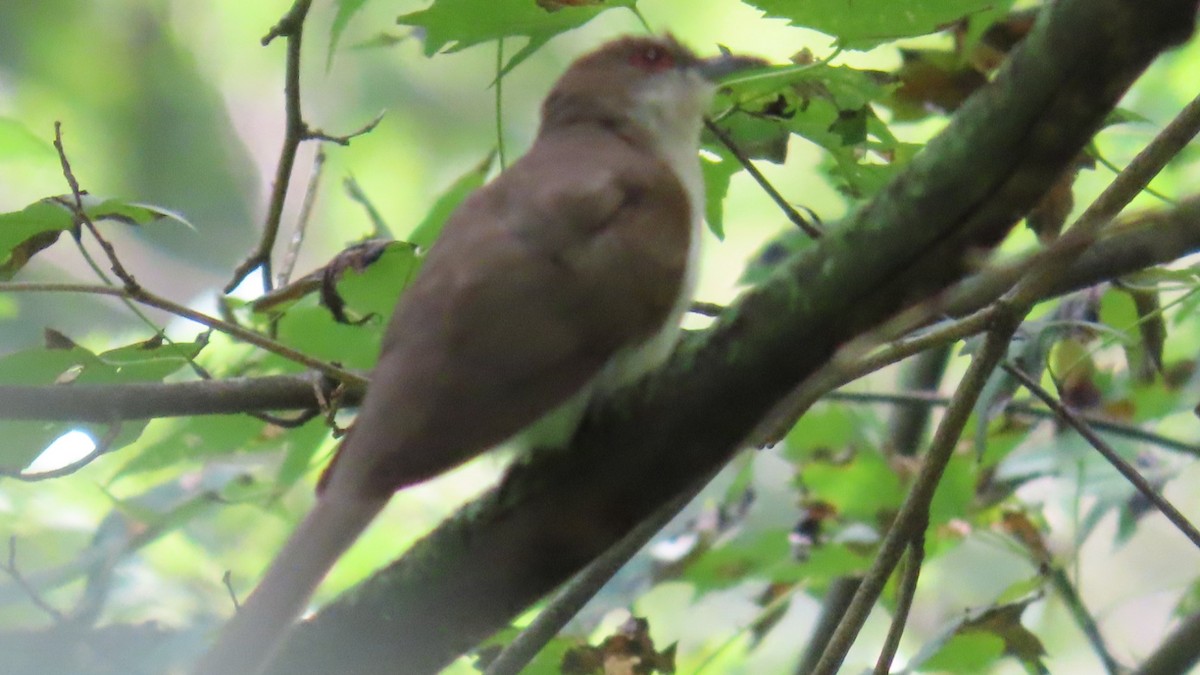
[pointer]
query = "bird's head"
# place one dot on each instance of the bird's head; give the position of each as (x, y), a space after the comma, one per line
(640, 86)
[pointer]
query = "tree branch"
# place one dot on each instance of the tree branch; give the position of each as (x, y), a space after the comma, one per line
(1178, 653)
(290, 27)
(551, 517)
(1124, 248)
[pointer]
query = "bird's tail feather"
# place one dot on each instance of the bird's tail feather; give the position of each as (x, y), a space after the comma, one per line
(250, 639)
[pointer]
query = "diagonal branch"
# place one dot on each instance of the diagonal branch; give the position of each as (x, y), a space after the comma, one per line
(291, 28)
(1109, 453)
(552, 516)
(1124, 248)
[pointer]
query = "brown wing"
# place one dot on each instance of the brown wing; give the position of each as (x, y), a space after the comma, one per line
(577, 250)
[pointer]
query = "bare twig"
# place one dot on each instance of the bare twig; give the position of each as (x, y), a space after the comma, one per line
(575, 594)
(306, 208)
(499, 86)
(344, 139)
(1122, 190)
(914, 512)
(118, 268)
(296, 131)
(227, 580)
(904, 597)
(144, 297)
(290, 27)
(355, 192)
(1179, 653)
(934, 400)
(1083, 618)
(1131, 474)
(837, 598)
(11, 570)
(811, 229)
(81, 216)
(845, 370)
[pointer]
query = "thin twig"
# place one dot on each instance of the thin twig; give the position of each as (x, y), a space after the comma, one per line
(290, 27)
(904, 598)
(833, 606)
(118, 268)
(500, 103)
(11, 569)
(311, 134)
(81, 216)
(1177, 654)
(915, 510)
(1127, 185)
(144, 297)
(811, 229)
(355, 192)
(288, 265)
(935, 400)
(227, 579)
(575, 594)
(842, 371)
(1131, 474)
(1083, 618)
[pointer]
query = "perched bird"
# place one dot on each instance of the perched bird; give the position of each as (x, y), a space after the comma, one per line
(565, 276)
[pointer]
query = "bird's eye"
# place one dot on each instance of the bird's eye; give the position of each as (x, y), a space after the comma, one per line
(652, 58)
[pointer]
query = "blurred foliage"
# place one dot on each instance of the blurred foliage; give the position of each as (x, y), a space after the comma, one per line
(171, 108)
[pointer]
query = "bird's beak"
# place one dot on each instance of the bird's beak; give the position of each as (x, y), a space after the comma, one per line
(716, 68)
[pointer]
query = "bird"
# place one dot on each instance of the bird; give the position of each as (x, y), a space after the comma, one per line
(562, 279)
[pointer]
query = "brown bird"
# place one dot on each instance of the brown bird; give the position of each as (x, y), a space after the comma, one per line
(564, 277)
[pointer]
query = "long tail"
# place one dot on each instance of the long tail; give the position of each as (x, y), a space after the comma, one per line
(250, 639)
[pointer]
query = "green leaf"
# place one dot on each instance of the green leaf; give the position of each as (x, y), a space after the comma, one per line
(195, 438)
(973, 652)
(863, 24)
(34, 228)
(955, 492)
(451, 25)
(313, 330)
(142, 362)
(23, 233)
(375, 289)
(427, 232)
(748, 555)
(300, 447)
(829, 106)
(717, 166)
(369, 294)
(861, 489)
(18, 142)
(129, 213)
(346, 9)
(825, 426)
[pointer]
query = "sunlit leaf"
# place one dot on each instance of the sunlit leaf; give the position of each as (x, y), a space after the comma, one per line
(17, 142)
(346, 9)
(452, 25)
(26, 232)
(861, 488)
(427, 232)
(964, 653)
(866, 23)
(718, 167)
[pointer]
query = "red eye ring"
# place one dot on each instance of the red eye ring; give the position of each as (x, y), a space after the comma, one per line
(652, 58)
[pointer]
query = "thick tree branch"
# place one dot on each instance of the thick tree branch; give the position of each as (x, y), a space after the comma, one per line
(474, 573)
(1179, 653)
(1126, 247)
